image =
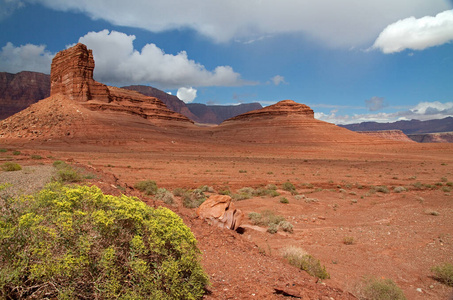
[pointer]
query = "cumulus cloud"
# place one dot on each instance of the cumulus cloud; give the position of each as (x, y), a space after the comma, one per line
(336, 23)
(7, 7)
(416, 34)
(375, 103)
(117, 62)
(277, 79)
(186, 94)
(422, 111)
(26, 57)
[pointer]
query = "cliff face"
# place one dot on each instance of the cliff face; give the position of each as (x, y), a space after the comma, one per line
(18, 91)
(438, 137)
(282, 108)
(394, 135)
(72, 77)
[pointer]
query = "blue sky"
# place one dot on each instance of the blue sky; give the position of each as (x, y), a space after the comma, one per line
(350, 61)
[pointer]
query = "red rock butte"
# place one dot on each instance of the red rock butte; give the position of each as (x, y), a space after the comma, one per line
(72, 76)
(282, 108)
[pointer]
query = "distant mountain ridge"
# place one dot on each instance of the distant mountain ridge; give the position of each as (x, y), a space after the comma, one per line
(19, 91)
(408, 127)
(201, 113)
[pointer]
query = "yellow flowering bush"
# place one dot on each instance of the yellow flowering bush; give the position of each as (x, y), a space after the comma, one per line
(74, 242)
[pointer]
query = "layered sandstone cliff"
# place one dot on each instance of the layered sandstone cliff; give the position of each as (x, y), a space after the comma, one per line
(18, 91)
(394, 135)
(72, 77)
(282, 108)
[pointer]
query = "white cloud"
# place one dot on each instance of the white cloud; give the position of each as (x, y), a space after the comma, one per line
(416, 34)
(26, 57)
(117, 62)
(422, 111)
(7, 7)
(186, 94)
(375, 103)
(336, 23)
(277, 79)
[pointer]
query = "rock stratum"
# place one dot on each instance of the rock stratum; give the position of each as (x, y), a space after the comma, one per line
(395, 135)
(80, 107)
(72, 77)
(19, 91)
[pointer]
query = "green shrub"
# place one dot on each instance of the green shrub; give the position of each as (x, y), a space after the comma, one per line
(286, 226)
(381, 289)
(444, 273)
(35, 156)
(272, 228)
(165, 196)
(17, 153)
(382, 189)
(77, 243)
(2, 150)
(10, 166)
(69, 175)
(288, 186)
(193, 198)
(284, 200)
(148, 187)
(178, 192)
(300, 259)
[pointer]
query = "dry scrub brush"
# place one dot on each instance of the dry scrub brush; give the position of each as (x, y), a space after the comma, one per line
(302, 260)
(74, 242)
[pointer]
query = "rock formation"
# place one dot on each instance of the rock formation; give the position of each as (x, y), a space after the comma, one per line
(438, 137)
(219, 210)
(18, 91)
(394, 135)
(72, 77)
(282, 108)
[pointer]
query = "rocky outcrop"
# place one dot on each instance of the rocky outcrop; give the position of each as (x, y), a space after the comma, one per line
(408, 127)
(282, 108)
(216, 114)
(72, 77)
(219, 210)
(18, 91)
(394, 135)
(171, 101)
(438, 137)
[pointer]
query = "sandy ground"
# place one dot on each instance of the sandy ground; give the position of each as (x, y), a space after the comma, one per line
(395, 235)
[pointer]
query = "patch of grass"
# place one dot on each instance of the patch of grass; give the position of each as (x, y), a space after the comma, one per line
(2, 150)
(165, 196)
(193, 198)
(35, 156)
(17, 153)
(66, 173)
(399, 189)
(10, 167)
(446, 189)
(444, 179)
(286, 226)
(380, 289)
(284, 200)
(289, 187)
(77, 243)
(149, 187)
(444, 273)
(382, 189)
(348, 240)
(300, 259)
(242, 171)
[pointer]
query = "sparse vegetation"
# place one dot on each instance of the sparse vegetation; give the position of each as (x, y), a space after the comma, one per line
(380, 289)
(444, 273)
(300, 259)
(286, 226)
(35, 156)
(271, 220)
(2, 150)
(432, 213)
(348, 240)
(149, 187)
(284, 200)
(77, 243)
(289, 187)
(10, 167)
(194, 198)
(382, 189)
(399, 189)
(66, 173)
(165, 196)
(17, 153)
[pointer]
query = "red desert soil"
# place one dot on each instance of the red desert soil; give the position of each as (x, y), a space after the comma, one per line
(123, 137)
(396, 235)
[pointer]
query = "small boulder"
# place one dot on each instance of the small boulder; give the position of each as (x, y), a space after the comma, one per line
(219, 210)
